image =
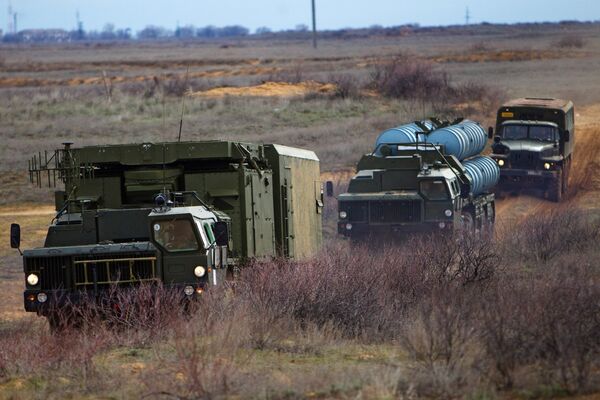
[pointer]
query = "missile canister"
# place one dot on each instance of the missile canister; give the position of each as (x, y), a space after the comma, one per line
(403, 134)
(463, 140)
(484, 173)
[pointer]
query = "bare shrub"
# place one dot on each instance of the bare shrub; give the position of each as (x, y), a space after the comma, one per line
(440, 338)
(411, 78)
(407, 77)
(346, 86)
(479, 47)
(465, 258)
(294, 74)
(570, 41)
(36, 352)
(547, 234)
(176, 87)
(203, 357)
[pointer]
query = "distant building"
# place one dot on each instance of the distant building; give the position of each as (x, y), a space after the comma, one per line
(44, 35)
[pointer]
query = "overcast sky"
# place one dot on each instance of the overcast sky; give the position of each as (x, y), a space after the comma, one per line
(280, 14)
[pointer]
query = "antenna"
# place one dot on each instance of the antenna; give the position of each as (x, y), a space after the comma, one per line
(467, 16)
(314, 24)
(187, 72)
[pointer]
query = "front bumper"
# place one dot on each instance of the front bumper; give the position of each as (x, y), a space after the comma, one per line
(391, 230)
(526, 178)
(60, 298)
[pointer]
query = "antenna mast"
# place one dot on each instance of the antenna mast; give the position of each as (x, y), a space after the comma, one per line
(467, 16)
(187, 72)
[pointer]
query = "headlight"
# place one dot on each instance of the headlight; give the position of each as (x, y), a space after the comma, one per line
(448, 213)
(501, 163)
(188, 290)
(442, 225)
(348, 227)
(547, 165)
(343, 214)
(32, 279)
(42, 297)
(199, 271)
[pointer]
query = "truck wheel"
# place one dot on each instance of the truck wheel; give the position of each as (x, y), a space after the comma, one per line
(555, 188)
(565, 178)
(467, 222)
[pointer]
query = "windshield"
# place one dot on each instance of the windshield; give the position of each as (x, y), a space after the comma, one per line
(434, 190)
(175, 235)
(535, 132)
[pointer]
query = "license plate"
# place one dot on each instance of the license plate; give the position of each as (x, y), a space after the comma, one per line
(534, 173)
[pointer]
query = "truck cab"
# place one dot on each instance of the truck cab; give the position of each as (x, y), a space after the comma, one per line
(192, 242)
(533, 146)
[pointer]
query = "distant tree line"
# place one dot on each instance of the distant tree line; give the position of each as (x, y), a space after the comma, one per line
(150, 32)
(190, 32)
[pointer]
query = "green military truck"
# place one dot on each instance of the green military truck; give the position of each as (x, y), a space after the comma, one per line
(533, 146)
(184, 214)
(414, 181)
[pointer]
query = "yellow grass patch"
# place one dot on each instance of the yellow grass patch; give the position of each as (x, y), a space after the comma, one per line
(270, 89)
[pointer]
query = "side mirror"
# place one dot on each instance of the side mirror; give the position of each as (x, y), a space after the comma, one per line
(497, 139)
(566, 136)
(15, 236)
(221, 232)
(490, 132)
(329, 188)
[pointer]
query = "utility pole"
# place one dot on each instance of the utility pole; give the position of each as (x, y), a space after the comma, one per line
(10, 25)
(314, 24)
(467, 16)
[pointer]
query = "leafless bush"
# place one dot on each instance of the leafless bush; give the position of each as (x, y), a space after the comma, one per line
(441, 340)
(465, 258)
(346, 86)
(294, 74)
(407, 77)
(27, 348)
(204, 356)
(545, 235)
(571, 41)
(479, 47)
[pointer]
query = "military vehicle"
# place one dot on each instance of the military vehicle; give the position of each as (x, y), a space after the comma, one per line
(415, 181)
(184, 214)
(534, 145)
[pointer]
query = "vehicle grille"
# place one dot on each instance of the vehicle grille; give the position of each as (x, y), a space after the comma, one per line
(357, 210)
(524, 159)
(64, 272)
(53, 271)
(395, 211)
(114, 269)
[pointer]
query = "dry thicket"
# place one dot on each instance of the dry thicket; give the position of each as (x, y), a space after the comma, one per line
(469, 314)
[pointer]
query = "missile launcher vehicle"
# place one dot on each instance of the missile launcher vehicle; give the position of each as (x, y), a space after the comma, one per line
(184, 214)
(534, 145)
(425, 176)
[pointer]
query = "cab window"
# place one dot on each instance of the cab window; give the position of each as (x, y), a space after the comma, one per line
(175, 235)
(514, 132)
(434, 189)
(546, 133)
(202, 229)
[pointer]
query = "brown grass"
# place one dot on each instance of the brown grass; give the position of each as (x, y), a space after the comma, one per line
(465, 317)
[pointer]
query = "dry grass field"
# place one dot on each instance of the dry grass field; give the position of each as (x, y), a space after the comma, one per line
(529, 330)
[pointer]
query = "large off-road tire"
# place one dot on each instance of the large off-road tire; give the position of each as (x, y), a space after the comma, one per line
(555, 188)
(467, 223)
(566, 173)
